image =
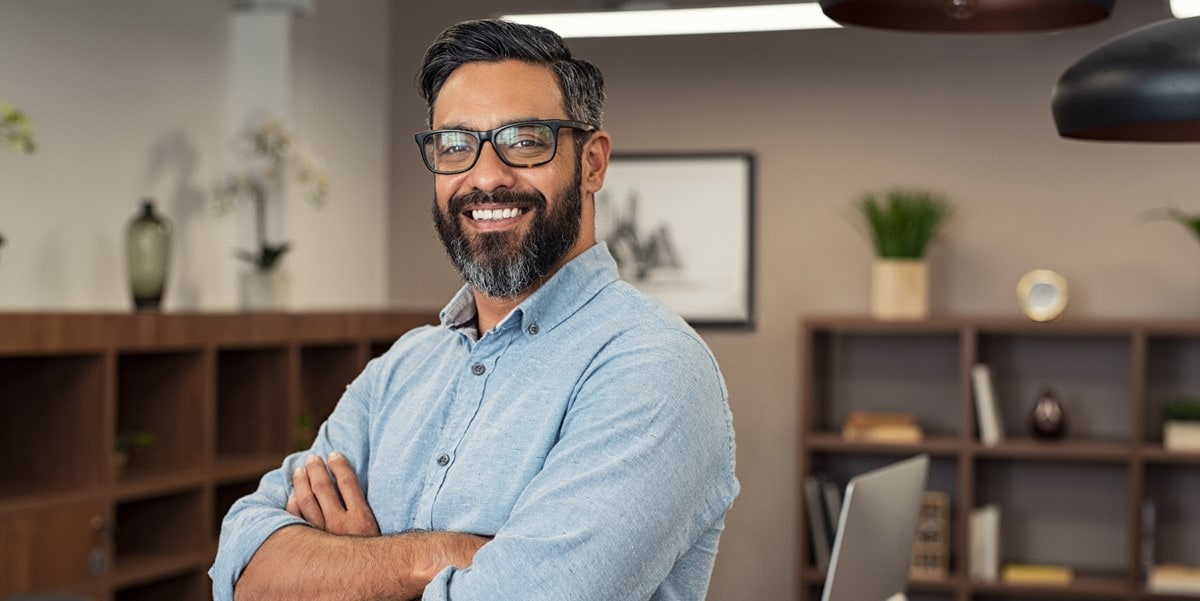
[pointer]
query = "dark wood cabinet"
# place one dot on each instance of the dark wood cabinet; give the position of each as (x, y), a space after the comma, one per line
(222, 396)
(1074, 501)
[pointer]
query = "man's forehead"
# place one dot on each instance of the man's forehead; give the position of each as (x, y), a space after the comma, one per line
(490, 94)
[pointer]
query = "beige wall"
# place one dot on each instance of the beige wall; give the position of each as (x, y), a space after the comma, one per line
(129, 99)
(828, 115)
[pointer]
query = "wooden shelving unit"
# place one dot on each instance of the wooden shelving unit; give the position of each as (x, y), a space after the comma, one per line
(222, 396)
(1074, 501)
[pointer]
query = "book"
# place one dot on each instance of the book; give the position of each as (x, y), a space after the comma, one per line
(984, 523)
(818, 531)
(1174, 579)
(991, 431)
(931, 549)
(881, 427)
(1037, 573)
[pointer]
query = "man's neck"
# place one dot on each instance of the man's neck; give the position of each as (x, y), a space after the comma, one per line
(489, 310)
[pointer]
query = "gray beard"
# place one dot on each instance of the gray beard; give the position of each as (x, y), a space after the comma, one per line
(500, 264)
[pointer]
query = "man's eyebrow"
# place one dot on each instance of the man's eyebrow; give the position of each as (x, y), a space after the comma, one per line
(465, 127)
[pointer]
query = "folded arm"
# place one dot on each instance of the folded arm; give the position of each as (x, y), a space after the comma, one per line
(341, 555)
(301, 562)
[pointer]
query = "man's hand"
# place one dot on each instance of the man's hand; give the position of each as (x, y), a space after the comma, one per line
(316, 498)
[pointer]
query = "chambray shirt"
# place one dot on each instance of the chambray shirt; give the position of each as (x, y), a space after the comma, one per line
(589, 433)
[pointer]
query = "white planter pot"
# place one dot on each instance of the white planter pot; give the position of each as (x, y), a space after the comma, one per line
(265, 290)
(900, 289)
(1181, 436)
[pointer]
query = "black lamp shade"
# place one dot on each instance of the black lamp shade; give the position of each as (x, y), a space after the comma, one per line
(967, 16)
(1143, 86)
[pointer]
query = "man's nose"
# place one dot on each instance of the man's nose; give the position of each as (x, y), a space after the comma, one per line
(490, 173)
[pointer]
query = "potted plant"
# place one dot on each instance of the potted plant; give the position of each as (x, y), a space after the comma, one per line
(270, 158)
(902, 224)
(124, 444)
(1181, 424)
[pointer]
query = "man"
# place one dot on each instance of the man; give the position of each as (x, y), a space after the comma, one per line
(559, 436)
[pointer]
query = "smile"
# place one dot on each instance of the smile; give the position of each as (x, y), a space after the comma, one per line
(495, 214)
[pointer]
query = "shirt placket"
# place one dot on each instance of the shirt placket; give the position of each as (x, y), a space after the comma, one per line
(465, 401)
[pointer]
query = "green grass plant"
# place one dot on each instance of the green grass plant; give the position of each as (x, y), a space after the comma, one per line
(903, 222)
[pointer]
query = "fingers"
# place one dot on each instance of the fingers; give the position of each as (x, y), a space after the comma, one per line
(316, 497)
(347, 481)
(358, 519)
(305, 498)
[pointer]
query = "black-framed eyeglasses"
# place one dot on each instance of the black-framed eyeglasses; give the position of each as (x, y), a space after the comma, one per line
(524, 144)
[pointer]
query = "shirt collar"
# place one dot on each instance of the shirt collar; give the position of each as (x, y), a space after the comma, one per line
(568, 290)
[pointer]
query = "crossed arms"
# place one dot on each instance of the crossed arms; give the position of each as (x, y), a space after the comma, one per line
(615, 496)
(343, 556)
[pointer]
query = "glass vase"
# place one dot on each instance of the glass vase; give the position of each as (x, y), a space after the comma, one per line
(147, 253)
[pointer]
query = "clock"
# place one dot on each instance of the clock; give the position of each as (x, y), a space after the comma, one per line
(1042, 295)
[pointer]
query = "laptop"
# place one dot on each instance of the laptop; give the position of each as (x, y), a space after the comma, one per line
(872, 550)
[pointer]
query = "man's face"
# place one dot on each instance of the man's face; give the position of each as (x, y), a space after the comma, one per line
(505, 228)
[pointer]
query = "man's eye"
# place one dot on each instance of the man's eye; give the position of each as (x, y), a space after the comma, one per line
(449, 151)
(527, 143)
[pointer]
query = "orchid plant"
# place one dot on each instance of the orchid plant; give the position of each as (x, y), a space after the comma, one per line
(270, 157)
(16, 130)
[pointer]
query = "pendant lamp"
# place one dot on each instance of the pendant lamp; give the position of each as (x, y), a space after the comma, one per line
(967, 16)
(1143, 86)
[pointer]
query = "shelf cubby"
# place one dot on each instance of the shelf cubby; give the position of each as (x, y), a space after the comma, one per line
(252, 403)
(162, 395)
(50, 407)
(325, 371)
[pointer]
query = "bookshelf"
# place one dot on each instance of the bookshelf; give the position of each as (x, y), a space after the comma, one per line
(1075, 501)
(221, 394)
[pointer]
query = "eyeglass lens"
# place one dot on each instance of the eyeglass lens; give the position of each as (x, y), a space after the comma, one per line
(521, 145)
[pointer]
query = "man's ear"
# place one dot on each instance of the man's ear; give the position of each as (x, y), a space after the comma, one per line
(594, 163)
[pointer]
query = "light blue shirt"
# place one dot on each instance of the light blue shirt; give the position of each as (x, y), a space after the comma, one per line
(589, 433)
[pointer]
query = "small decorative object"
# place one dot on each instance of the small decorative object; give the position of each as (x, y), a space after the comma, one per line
(1042, 295)
(931, 550)
(126, 443)
(147, 253)
(902, 225)
(1181, 424)
(1048, 420)
(271, 158)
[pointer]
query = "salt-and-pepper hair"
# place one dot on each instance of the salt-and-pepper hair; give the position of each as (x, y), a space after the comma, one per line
(493, 40)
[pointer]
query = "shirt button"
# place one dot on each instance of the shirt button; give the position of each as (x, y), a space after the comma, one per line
(443, 459)
(533, 328)
(478, 369)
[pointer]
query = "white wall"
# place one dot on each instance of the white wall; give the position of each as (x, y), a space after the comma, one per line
(129, 99)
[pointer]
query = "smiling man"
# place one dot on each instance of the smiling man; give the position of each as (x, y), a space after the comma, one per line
(558, 436)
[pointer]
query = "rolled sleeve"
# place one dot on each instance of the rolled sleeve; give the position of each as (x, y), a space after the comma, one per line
(255, 517)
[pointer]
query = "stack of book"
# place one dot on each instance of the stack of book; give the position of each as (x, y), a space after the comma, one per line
(1036, 573)
(881, 427)
(1173, 579)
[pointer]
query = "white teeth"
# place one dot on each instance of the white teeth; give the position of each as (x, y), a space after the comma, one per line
(494, 214)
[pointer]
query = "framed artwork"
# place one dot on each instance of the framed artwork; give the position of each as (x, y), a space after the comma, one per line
(681, 229)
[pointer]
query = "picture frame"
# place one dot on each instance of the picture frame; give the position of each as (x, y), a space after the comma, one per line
(681, 228)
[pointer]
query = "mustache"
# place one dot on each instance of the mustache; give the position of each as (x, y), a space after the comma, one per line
(459, 203)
